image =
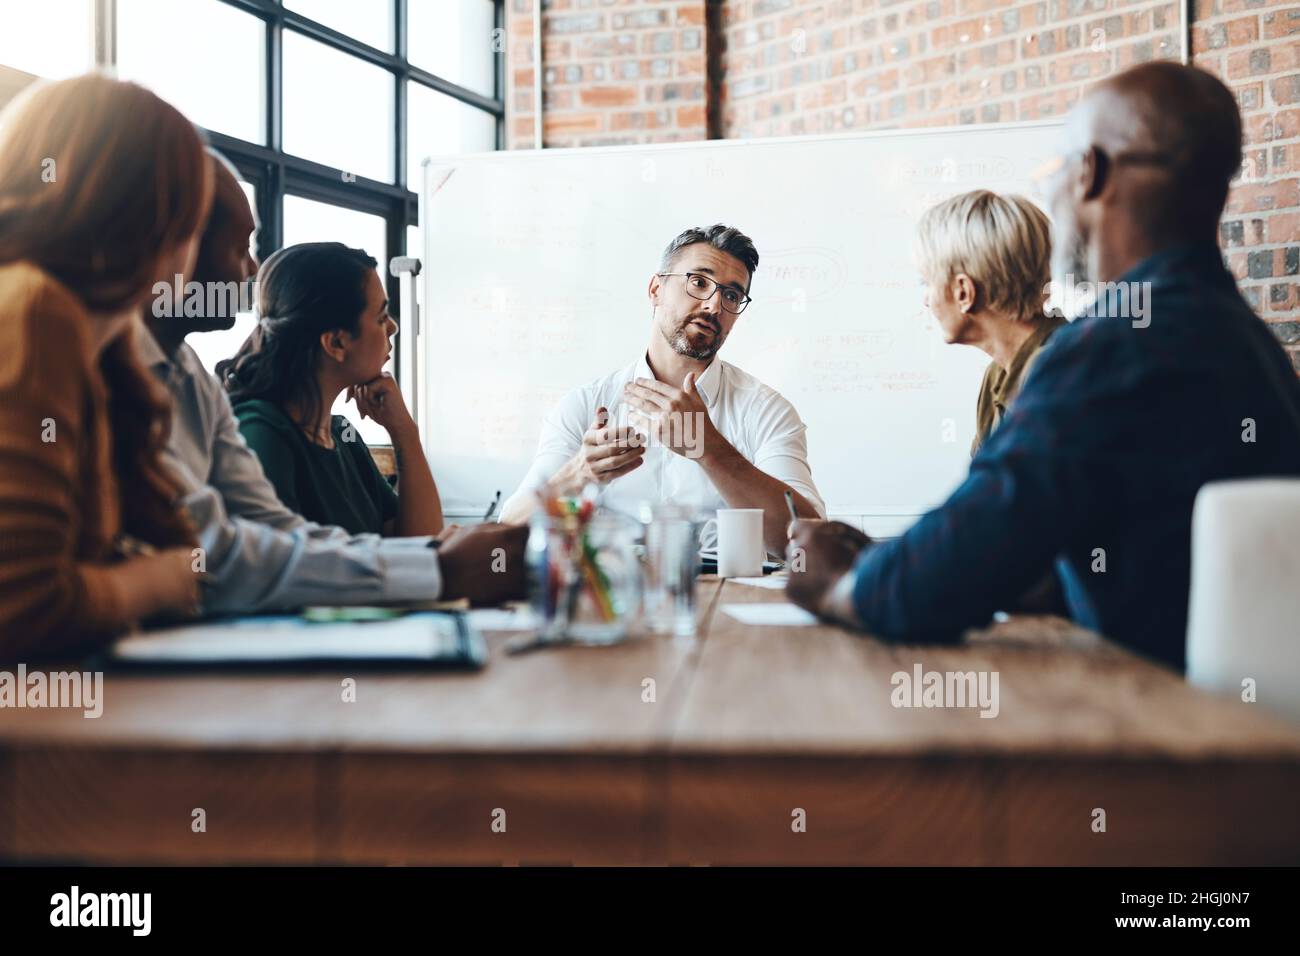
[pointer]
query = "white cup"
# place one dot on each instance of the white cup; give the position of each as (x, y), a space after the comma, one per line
(740, 542)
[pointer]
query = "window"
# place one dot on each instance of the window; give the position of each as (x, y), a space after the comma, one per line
(438, 125)
(456, 39)
(306, 220)
(29, 42)
(338, 110)
(219, 83)
(364, 20)
(326, 107)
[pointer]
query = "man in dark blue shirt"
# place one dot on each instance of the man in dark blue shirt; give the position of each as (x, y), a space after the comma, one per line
(1166, 382)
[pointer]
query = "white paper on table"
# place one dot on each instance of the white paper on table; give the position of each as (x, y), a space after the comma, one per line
(777, 615)
(502, 619)
(769, 581)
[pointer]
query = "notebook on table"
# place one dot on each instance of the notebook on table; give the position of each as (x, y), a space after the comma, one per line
(383, 639)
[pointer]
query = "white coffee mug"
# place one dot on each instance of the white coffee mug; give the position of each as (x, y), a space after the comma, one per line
(740, 542)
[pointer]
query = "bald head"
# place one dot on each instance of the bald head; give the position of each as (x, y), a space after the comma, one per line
(224, 253)
(1174, 127)
(1149, 157)
(218, 289)
(228, 200)
(230, 224)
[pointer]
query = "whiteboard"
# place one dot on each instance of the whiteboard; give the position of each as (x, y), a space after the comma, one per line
(535, 272)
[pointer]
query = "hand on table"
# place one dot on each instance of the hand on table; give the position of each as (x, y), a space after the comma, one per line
(484, 563)
(818, 555)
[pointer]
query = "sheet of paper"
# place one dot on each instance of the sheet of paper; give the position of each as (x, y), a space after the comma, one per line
(502, 619)
(776, 615)
(770, 581)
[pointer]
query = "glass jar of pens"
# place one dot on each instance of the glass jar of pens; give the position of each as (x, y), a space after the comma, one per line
(584, 577)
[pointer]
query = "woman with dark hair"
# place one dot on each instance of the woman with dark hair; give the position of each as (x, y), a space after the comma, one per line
(324, 330)
(104, 189)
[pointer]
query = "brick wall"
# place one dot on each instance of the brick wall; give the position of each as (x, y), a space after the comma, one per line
(615, 71)
(630, 71)
(1254, 47)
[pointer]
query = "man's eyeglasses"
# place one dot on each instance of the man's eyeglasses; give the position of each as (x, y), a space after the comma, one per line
(1042, 177)
(702, 287)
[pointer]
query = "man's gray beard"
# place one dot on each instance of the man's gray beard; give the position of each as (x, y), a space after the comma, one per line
(682, 345)
(1070, 258)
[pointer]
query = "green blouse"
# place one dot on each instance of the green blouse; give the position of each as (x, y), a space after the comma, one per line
(331, 486)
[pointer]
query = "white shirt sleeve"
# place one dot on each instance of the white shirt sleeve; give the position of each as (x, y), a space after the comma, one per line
(255, 567)
(561, 437)
(781, 448)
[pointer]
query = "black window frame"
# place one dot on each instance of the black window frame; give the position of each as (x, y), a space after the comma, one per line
(275, 173)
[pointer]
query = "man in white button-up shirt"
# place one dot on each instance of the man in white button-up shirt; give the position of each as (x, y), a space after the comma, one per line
(679, 424)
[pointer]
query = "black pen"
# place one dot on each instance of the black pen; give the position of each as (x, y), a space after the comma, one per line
(492, 507)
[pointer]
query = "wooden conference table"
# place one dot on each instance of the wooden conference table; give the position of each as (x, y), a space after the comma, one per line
(746, 728)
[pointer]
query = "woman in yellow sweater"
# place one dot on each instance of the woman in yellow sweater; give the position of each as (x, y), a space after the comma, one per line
(104, 189)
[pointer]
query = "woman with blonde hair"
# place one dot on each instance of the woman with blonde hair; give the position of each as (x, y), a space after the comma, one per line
(104, 189)
(987, 264)
(986, 260)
